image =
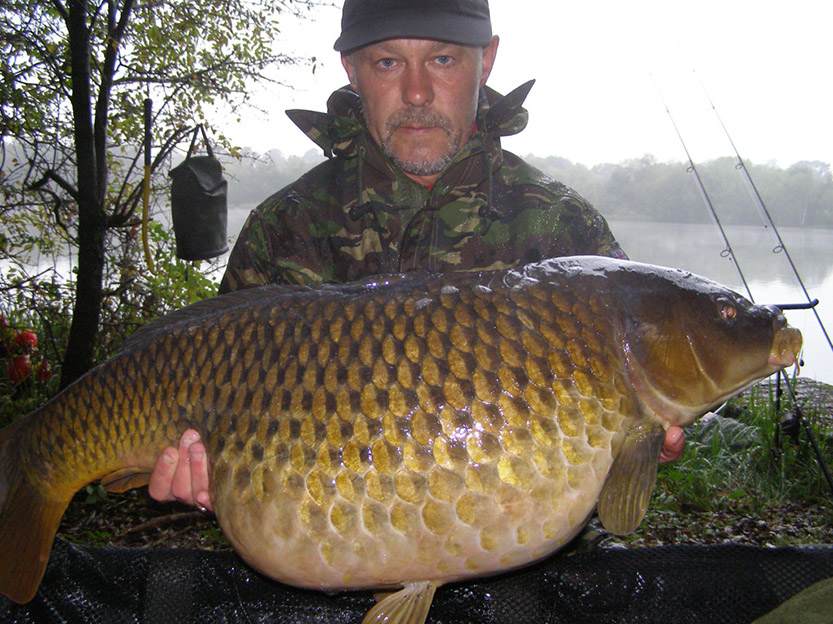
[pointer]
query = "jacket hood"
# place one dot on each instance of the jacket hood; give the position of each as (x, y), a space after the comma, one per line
(341, 130)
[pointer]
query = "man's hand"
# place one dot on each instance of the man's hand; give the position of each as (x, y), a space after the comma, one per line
(673, 445)
(182, 474)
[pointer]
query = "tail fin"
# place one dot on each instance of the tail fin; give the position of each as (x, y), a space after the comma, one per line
(28, 523)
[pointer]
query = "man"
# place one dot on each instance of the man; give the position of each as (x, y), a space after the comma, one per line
(416, 180)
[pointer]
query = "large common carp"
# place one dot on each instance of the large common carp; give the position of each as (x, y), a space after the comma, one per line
(402, 432)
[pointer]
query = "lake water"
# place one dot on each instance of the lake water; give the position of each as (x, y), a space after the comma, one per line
(698, 248)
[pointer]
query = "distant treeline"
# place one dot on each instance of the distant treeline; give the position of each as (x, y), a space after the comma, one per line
(642, 189)
(647, 190)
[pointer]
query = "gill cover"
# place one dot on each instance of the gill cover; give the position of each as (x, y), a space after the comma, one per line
(691, 343)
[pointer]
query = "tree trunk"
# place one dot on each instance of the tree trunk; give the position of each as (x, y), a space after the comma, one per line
(92, 220)
(79, 357)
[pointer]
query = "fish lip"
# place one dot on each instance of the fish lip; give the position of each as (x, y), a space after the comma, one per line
(786, 347)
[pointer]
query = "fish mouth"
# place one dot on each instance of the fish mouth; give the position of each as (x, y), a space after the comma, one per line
(786, 347)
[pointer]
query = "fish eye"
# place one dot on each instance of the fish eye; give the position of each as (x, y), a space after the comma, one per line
(726, 310)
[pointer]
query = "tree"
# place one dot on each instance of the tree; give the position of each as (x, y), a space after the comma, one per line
(74, 77)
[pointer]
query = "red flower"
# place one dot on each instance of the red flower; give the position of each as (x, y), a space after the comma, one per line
(19, 369)
(44, 372)
(27, 339)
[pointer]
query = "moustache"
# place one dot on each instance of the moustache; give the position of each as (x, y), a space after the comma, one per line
(419, 117)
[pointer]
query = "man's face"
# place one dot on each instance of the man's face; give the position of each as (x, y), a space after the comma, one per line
(419, 98)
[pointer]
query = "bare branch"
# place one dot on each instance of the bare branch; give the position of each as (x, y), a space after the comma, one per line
(62, 11)
(124, 210)
(57, 179)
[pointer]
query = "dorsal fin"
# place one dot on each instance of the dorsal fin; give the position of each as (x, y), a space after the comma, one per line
(220, 304)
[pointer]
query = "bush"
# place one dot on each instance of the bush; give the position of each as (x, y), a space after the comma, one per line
(36, 312)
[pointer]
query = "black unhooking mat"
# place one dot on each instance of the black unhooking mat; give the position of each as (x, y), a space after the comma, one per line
(670, 584)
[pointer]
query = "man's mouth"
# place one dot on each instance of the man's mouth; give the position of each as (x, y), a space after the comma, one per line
(410, 128)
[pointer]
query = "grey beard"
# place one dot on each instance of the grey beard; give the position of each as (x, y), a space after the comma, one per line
(419, 167)
(424, 118)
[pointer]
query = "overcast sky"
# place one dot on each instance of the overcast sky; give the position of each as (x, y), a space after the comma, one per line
(600, 67)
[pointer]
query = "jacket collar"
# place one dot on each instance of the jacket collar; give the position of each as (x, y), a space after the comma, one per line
(341, 130)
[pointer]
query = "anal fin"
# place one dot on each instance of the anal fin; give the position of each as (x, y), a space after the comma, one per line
(409, 605)
(632, 478)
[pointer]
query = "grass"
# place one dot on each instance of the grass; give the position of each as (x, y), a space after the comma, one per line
(742, 480)
(746, 462)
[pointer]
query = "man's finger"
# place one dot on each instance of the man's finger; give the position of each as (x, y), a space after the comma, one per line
(199, 475)
(159, 486)
(673, 445)
(181, 485)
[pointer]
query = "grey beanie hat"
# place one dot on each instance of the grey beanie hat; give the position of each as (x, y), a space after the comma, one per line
(464, 22)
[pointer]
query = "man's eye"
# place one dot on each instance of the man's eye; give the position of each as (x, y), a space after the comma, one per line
(444, 60)
(386, 63)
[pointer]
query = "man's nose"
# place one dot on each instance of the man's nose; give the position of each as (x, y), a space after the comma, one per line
(417, 89)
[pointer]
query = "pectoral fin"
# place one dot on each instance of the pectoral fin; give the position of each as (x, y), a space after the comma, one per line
(125, 479)
(631, 479)
(407, 606)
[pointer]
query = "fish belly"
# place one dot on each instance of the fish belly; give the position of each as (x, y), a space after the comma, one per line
(347, 530)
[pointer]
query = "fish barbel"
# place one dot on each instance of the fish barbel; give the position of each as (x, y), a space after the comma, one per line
(405, 431)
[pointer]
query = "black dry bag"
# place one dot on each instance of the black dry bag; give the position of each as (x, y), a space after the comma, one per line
(199, 196)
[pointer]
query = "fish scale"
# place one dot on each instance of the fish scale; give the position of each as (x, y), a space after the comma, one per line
(438, 393)
(406, 431)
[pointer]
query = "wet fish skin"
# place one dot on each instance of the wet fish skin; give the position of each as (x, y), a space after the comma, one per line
(406, 430)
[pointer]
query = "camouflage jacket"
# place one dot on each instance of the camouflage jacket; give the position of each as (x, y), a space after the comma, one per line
(357, 215)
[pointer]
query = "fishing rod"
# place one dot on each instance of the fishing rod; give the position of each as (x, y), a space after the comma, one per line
(768, 217)
(792, 425)
(795, 423)
(727, 250)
